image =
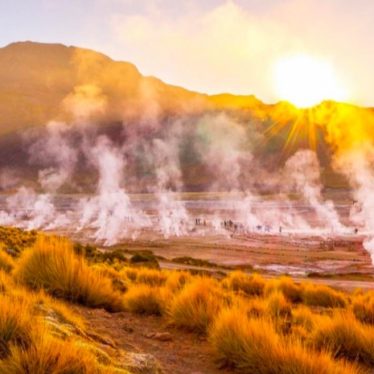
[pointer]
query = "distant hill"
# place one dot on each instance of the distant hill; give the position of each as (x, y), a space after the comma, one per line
(42, 82)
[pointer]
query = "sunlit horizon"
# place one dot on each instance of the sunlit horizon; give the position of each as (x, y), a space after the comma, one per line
(305, 81)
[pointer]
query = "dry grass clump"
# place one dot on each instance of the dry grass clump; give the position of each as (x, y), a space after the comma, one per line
(16, 322)
(254, 307)
(253, 346)
(292, 292)
(6, 262)
(304, 317)
(250, 285)
(363, 307)
(197, 304)
(119, 281)
(278, 306)
(323, 296)
(345, 337)
(50, 355)
(53, 266)
(146, 299)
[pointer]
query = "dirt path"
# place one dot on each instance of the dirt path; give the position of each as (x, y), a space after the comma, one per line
(181, 353)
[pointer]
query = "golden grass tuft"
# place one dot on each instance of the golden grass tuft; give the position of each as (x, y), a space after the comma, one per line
(16, 325)
(177, 280)
(291, 291)
(250, 285)
(323, 296)
(346, 337)
(50, 355)
(146, 299)
(278, 306)
(151, 277)
(53, 266)
(130, 273)
(252, 346)
(197, 304)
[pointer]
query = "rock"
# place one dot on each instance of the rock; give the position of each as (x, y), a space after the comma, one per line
(161, 336)
(141, 363)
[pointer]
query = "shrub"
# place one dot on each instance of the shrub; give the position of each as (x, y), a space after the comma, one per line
(145, 258)
(195, 307)
(250, 285)
(252, 346)
(323, 296)
(52, 265)
(345, 337)
(145, 299)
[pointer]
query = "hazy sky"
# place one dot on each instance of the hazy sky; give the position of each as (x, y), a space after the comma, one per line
(211, 45)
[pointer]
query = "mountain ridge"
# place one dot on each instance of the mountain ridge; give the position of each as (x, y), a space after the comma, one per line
(41, 82)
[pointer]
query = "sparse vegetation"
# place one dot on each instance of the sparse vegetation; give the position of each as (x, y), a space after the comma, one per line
(15, 240)
(53, 266)
(251, 345)
(255, 325)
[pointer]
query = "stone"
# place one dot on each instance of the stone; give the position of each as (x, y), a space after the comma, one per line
(141, 363)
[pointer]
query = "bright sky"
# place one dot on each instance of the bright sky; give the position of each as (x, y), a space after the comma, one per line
(212, 45)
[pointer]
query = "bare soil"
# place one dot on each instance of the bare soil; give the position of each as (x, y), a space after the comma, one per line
(185, 352)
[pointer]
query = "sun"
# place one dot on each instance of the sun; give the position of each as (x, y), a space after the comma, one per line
(305, 81)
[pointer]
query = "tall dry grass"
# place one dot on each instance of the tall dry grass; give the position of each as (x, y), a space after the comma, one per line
(252, 346)
(323, 296)
(197, 304)
(363, 307)
(250, 285)
(346, 337)
(52, 265)
(47, 354)
(146, 299)
(6, 261)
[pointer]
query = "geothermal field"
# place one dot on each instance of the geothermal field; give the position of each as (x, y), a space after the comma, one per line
(131, 191)
(267, 233)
